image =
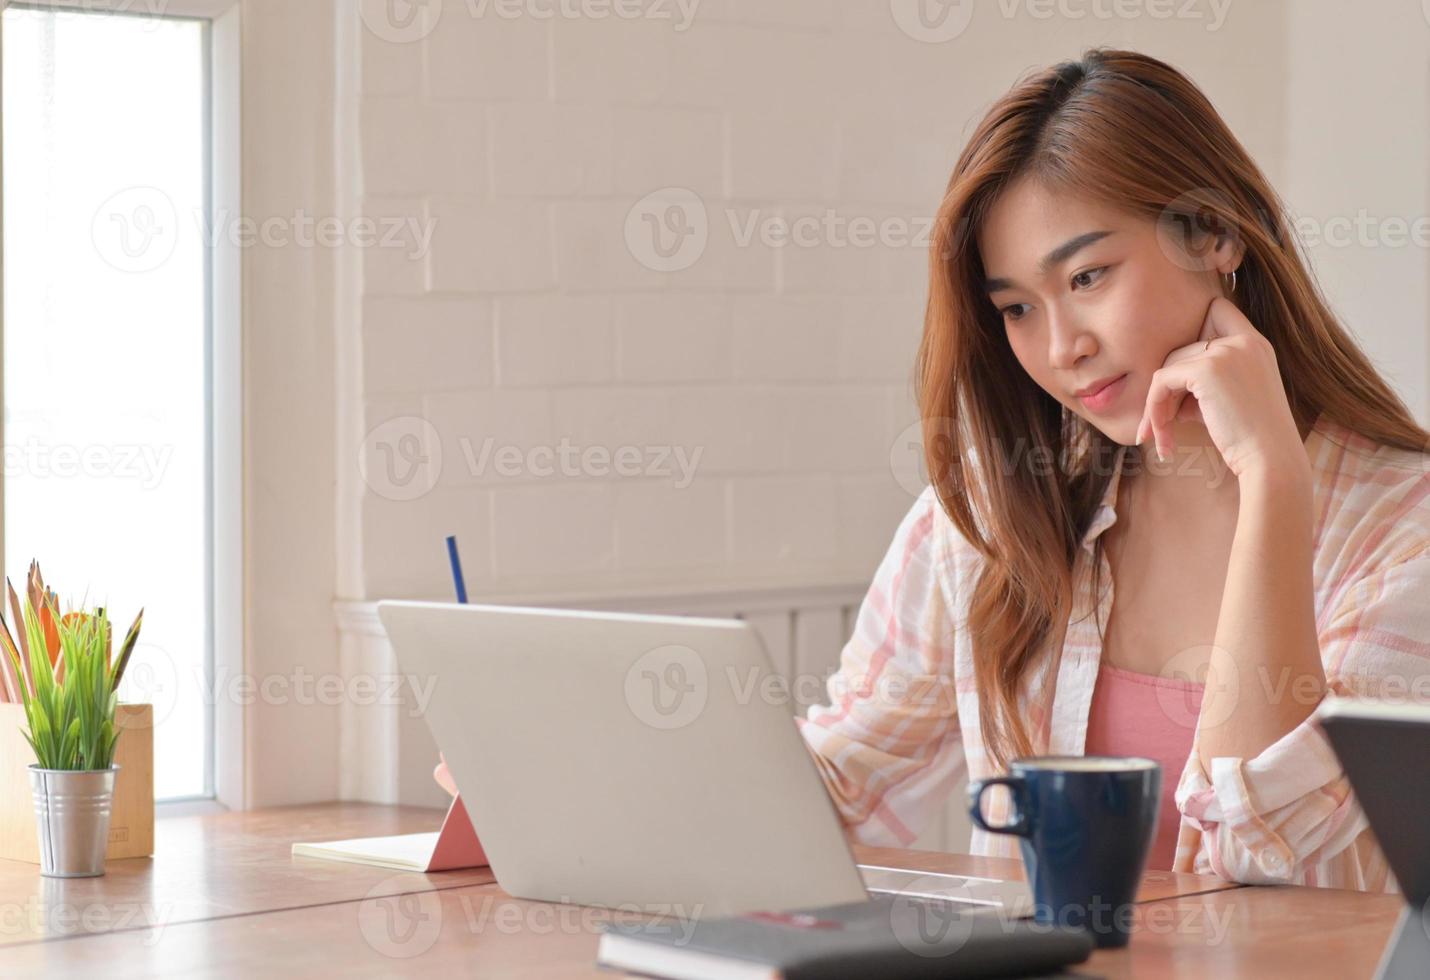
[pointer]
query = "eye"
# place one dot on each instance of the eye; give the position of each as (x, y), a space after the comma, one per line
(1008, 315)
(1088, 272)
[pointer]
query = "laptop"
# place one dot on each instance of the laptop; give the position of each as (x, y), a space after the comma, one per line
(1383, 745)
(641, 761)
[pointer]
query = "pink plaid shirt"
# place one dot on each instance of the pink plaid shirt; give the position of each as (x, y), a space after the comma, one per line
(901, 730)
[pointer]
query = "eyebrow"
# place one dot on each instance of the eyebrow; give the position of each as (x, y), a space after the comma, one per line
(1057, 256)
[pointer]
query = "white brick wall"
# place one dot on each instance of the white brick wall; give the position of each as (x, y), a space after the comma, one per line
(532, 320)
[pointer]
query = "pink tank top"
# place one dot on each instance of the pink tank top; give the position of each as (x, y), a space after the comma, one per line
(1152, 717)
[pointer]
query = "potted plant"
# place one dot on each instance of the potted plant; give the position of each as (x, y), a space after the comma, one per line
(68, 682)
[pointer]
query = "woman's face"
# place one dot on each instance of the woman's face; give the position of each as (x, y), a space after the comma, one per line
(1087, 293)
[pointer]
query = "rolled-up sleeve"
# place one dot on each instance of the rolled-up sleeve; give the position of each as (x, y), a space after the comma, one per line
(1268, 819)
(887, 744)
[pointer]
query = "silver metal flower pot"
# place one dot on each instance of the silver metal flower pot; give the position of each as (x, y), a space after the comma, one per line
(72, 820)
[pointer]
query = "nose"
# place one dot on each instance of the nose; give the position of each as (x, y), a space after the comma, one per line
(1069, 340)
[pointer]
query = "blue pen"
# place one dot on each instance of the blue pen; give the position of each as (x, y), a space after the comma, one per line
(456, 569)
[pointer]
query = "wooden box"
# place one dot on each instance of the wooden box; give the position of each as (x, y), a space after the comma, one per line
(131, 822)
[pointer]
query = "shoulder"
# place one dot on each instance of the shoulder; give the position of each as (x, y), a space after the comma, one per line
(953, 561)
(929, 519)
(922, 536)
(1372, 510)
(1372, 501)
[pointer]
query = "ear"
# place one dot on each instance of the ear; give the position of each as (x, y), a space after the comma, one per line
(1229, 252)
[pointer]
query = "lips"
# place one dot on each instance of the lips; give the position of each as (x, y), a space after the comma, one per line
(1098, 386)
(1103, 397)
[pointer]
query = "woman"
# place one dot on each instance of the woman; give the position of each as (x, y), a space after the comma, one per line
(1059, 590)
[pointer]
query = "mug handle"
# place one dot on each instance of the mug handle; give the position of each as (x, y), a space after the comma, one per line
(1015, 784)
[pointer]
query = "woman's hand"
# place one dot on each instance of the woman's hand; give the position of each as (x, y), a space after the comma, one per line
(443, 777)
(1233, 388)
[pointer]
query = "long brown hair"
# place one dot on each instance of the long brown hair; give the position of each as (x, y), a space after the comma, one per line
(1129, 131)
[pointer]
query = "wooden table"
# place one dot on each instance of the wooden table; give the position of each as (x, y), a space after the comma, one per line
(222, 896)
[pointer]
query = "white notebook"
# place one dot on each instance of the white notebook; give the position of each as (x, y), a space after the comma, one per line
(405, 852)
(454, 846)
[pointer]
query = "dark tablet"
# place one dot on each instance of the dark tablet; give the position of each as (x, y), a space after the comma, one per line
(1384, 747)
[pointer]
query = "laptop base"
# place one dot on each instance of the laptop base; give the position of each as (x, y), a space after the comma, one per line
(1407, 957)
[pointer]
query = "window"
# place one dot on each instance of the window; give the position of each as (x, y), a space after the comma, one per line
(108, 346)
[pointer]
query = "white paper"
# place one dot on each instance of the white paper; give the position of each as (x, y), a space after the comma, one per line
(404, 852)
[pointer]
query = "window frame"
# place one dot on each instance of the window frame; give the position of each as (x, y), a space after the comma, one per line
(225, 784)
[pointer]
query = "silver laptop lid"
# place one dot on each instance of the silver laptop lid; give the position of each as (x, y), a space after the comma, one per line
(622, 759)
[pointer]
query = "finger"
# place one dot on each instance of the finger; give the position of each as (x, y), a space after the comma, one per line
(1164, 398)
(1193, 350)
(444, 778)
(1190, 409)
(1187, 408)
(1225, 319)
(1208, 330)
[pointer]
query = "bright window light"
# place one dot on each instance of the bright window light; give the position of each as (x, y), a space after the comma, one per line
(106, 345)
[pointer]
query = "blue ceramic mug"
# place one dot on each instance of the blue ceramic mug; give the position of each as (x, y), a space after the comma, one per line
(1086, 824)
